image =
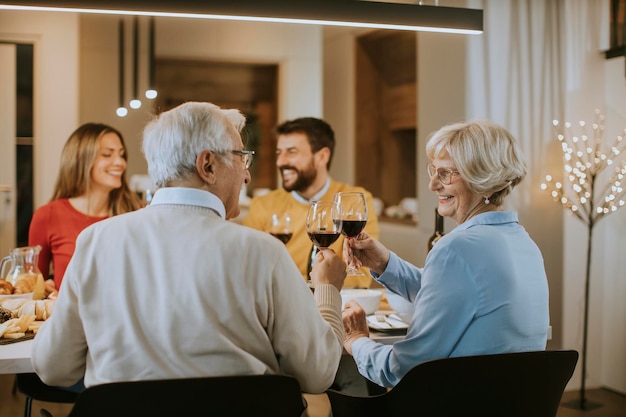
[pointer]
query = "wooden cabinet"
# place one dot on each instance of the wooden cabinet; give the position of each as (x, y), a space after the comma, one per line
(386, 114)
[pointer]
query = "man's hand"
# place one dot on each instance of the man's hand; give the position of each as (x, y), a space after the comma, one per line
(328, 268)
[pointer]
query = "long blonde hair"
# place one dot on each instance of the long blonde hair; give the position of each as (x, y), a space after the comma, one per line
(77, 160)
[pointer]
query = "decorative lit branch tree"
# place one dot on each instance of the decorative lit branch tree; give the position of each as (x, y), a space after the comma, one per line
(592, 189)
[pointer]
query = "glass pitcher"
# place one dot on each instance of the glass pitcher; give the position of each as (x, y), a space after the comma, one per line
(22, 262)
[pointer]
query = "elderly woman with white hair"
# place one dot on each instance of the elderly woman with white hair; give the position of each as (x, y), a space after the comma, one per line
(483, 288)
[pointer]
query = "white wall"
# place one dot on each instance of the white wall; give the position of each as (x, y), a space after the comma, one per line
(611, 232)
(339, 90)
(56, 89)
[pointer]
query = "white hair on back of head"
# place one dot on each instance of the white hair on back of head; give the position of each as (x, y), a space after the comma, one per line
(173, 139)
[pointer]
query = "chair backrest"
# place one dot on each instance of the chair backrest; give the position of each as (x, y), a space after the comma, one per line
(233, 396)
(528, 384)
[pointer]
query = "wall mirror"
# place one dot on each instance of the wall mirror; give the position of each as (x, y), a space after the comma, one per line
(362, 81)
(290, 71)
(385, 117)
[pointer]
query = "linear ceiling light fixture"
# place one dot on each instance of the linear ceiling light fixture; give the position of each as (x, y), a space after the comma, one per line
(356, 13)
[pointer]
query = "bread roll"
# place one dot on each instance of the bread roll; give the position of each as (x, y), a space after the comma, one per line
(25, 284)
(5, 287)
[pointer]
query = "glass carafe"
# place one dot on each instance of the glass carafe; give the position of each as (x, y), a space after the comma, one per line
(21, 263)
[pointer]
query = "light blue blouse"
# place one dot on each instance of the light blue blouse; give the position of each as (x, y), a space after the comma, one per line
(483, 290)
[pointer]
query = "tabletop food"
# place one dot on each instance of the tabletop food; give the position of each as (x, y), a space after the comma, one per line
(19, 316)
(26, 284)
(41, 309)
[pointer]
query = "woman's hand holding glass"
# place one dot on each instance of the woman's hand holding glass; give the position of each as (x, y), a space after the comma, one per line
(354, 217)
(367, 251)
(328, 269)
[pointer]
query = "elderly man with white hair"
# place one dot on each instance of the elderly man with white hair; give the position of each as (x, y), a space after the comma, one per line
(174, 290)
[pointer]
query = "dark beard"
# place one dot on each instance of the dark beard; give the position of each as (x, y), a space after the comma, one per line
(303, 181)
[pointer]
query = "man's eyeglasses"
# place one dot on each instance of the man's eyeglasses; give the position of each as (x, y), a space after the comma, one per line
(445, 175)
(247, 156)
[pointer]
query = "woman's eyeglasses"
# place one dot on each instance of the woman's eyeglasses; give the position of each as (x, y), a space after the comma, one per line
(445, 175)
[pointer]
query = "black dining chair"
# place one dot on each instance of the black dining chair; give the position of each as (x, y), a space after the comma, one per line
(33, 388)
(528, 384)
(232, 396)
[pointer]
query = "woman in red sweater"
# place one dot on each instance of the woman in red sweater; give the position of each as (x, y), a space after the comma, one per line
(91, 186)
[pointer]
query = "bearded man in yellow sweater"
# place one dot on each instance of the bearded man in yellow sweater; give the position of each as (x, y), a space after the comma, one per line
(304, 152)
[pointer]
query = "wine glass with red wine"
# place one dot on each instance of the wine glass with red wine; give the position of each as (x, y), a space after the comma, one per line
(354, 218)
(280, 227)
(323, 223)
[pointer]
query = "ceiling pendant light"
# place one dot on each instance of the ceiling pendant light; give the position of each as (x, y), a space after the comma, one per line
(151, 92)
(121, 111)
(135, 103)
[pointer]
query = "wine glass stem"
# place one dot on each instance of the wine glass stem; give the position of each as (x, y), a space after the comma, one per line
(351, 268)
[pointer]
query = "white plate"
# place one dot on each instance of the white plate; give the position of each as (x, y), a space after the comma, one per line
(392, 322)
(28, 295)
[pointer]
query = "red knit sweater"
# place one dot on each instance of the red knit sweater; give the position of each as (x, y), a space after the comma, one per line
(55, 227)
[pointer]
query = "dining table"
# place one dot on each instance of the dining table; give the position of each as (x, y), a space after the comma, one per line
(15, 357)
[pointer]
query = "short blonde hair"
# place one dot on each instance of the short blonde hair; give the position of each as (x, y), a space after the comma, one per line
(486, 155)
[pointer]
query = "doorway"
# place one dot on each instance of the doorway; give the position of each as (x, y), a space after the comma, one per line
(16, 144)
(386, 115)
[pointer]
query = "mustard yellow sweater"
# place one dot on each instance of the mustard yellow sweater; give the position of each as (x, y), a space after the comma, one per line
(280, 201)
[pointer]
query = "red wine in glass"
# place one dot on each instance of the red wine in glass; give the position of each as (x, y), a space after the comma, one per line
(323, 224)
(354, 219)
(283, 237)
(352, 228)
(323, 239)
(280, 227)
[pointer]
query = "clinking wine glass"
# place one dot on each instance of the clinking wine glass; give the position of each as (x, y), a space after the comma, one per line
(323, 224)
(280, 227)
(354, 218)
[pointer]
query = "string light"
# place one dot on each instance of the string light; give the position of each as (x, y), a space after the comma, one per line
(588, 159)
(588, 162)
